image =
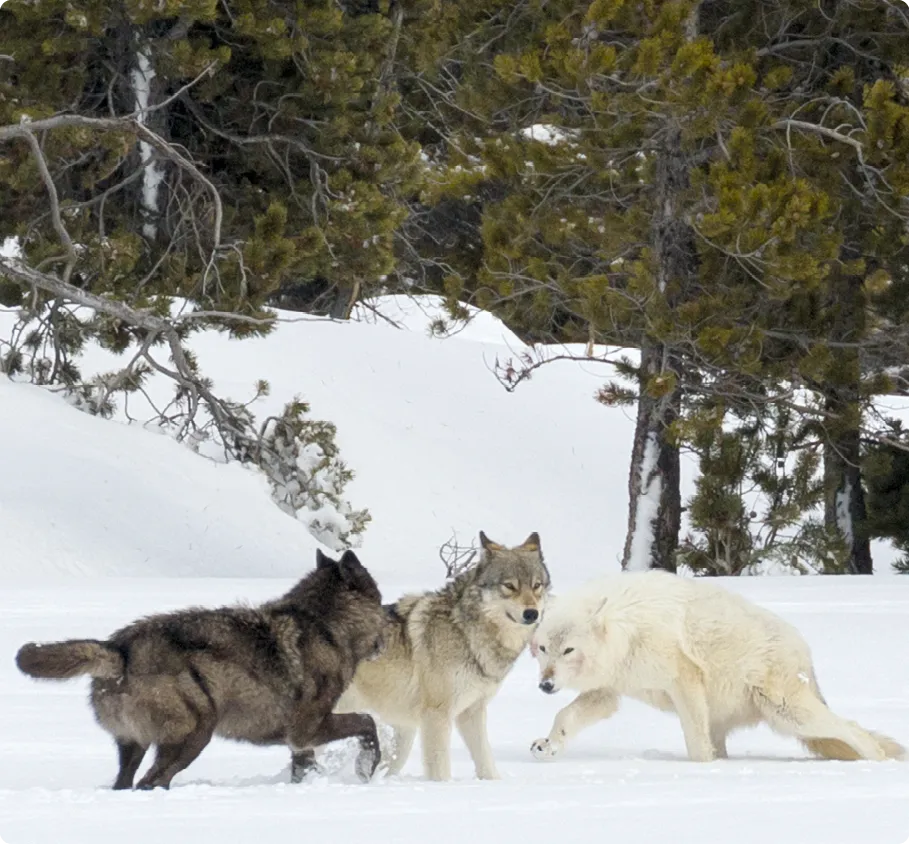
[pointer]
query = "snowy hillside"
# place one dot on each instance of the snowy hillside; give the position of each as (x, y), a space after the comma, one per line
(81, 495)
(437, 445)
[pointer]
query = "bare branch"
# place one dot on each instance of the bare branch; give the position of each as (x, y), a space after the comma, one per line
(129, 123)
(807, 126)
(54, 199)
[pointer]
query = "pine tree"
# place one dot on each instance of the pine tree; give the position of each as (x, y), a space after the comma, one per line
(208, 153)
(288, 107)
(715, 193)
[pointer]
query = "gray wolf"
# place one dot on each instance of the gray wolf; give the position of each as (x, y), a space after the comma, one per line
(266, 675)
(690, 647)
(447, 654)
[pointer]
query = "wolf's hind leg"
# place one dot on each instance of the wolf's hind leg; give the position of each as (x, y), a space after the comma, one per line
(403, 744)
(808, 718)
(131, 754)
(586, 709)
(175, 757)
(472, 727)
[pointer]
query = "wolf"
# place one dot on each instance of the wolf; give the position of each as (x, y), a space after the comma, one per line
(447, 653)
(686, 646)
(266, 675)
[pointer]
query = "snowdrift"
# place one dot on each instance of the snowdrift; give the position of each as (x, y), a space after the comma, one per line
(439, 448)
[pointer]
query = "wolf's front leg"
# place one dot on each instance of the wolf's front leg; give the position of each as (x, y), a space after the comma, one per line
(302, 762)
(689, 697)
(403, 743)
(435, 735)
(586, 709)
(472, 727)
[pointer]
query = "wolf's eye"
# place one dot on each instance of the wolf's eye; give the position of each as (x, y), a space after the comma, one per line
(567, 651)
(537, 587)
(542, 649)
(509, 587)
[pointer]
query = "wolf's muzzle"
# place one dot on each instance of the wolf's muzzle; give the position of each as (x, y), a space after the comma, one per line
(547, 686)
(530, 616)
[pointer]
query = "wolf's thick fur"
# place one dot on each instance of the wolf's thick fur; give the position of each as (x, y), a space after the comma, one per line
(690, 647)
(266, 675)
(449, 652)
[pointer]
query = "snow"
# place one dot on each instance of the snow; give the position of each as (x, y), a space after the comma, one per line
(437, 445)
(548, 134)
(87, 496)
(626, 780)
(844, 513)
(648, 505)
(104, 522)
(142, 76)
(9, 248)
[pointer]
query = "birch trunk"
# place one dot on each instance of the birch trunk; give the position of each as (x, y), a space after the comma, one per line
(142, 78)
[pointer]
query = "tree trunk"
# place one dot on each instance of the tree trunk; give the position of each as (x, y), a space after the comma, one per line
(655, 505)
(655, 501)
(343, 299)
(146, 94)
(844, 495)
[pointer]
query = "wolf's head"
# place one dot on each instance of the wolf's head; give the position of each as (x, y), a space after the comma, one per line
(514, 582)
(360, 612)
(564, 645)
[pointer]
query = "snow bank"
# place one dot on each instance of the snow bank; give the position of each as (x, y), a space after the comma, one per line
(81, 495)
(438, 447)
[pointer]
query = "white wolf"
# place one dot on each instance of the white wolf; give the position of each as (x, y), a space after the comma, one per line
(689, 647)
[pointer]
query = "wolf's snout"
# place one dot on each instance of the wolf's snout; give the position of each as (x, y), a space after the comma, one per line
(547, 686)
(530, 616)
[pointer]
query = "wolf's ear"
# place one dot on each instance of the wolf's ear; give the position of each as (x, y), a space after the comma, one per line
(322, 561)
(532, 543)
(348, 558)
(354, 574)
(488, 544)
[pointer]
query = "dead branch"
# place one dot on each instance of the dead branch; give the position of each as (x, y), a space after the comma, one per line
(54, 198)
(457, 559)
(128, 123)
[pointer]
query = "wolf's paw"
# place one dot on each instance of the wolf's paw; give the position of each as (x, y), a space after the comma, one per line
(543, 749)
(305, 773)
(366, 763)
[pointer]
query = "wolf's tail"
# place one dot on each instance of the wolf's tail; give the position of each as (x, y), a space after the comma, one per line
(828, 748)
(831, 748)
(62, 660)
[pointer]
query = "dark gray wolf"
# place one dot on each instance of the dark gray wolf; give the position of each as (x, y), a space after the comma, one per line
(448, 652)
(266, 675)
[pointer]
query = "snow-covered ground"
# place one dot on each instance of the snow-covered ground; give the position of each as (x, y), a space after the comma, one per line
(438, 446)
(623, 781)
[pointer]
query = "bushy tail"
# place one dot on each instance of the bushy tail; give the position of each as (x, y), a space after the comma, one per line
(827, 748)
(62, 660)
(830, 748)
